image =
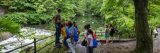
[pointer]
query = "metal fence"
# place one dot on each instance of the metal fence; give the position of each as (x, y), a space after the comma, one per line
(34, 42)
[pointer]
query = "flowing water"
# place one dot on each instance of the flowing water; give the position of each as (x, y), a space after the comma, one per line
(15, 41)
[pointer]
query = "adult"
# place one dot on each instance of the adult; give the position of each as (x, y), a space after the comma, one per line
(90, 41)
(107, 30)
(112, 32)
(76, 32)
(158, 30)
(57, 19)
(155, 32)
(84, 42)
(86, 27)
(70, 39)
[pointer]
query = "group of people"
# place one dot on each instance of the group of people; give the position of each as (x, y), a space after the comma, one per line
(70, 33)
(109, 32)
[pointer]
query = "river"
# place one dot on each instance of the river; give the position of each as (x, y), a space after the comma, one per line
(15, 41)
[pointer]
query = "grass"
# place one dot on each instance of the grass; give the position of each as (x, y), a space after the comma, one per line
(51, 49)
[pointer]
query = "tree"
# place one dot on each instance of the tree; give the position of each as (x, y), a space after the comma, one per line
(144, 38)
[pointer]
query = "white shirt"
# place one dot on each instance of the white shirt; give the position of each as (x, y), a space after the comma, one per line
(85, 33)
(91, 39)
(155, 31)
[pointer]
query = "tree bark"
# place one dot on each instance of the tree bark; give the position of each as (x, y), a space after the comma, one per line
(144, 38)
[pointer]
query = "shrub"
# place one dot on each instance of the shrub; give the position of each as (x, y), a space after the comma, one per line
(9, 26)
(28, 18)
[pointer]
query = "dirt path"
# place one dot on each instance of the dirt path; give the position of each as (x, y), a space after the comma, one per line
(125, 47)
(156, 45)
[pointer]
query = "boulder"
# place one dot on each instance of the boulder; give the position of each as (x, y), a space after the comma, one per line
(5, 35)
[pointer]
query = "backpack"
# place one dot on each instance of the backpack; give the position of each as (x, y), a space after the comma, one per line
(95, 43)
(113, 30)
(74, 31)
(76, 36)
(67, 32)
(94, 36)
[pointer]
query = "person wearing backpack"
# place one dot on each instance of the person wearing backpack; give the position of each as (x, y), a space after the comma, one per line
(90, 40)
(70, 39)
(112, 32)
(86, 27)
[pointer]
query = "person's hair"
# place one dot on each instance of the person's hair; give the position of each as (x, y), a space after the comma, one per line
(90, 31)
(110, 25)
(69, 24)
(59, 10)
(107, 26)
(74, 23)
(62, 24)
(87, 26)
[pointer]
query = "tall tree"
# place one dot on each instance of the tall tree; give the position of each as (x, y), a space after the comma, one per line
(144, 38)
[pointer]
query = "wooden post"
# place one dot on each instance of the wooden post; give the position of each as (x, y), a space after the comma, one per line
(35, 45)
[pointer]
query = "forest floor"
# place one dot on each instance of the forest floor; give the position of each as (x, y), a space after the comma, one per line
(115, 47)
(125, 47)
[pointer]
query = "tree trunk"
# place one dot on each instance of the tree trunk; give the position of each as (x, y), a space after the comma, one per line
(144, 38)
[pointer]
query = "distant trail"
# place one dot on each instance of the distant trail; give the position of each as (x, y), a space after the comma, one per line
(156, 44)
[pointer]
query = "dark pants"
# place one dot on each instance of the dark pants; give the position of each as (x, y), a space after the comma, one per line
(90, 49)
(65, 42)
(57, 34)
(156, 35)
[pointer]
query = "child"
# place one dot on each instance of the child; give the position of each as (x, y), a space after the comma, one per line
(63, 32)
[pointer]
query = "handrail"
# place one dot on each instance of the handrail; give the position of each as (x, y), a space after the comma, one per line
(37, 41)
(45, 46)
(27, 44)
(19, 47)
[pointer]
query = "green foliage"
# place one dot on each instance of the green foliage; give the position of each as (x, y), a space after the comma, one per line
(121, 14)
(16, 17)
(9, 26)
(42, 6)
(154, 17)
(94, 22)
(117, 12)
(28, 17)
